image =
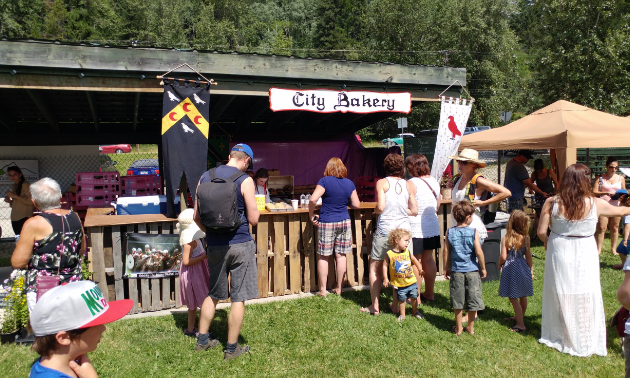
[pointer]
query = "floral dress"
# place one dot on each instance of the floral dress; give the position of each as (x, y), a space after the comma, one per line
(51, 255)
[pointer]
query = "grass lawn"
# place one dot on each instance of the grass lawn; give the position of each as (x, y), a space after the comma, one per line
(330, 337)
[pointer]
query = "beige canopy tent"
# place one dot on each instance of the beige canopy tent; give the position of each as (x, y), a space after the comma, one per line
(562, 127)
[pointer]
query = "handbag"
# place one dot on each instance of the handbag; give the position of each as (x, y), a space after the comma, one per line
(45, 283)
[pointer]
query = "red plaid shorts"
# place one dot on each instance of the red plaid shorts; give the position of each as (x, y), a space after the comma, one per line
(335, 235)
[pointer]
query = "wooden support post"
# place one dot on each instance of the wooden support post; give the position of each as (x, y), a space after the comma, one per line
(309, 253)
(166, 281)
(358, 232)
(279, 282)
(119, 265)
(262, 255)
(145, 294)
(441, 220)
(295, 269)
(98, 258)
(178, 299)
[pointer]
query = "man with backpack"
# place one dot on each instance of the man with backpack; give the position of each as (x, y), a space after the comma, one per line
(224, 208)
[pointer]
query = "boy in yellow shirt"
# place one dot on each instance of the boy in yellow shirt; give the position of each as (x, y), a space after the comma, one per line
(403, 280)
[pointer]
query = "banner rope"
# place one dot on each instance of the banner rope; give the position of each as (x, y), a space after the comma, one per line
(460, 84)
(208, 81)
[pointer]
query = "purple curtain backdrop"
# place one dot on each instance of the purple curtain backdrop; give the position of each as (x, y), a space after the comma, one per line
(306, 160)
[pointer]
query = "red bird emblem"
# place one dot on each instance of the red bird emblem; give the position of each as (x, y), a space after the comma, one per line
(452, 126)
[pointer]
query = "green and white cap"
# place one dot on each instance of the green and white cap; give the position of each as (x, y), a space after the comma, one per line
(76, 305)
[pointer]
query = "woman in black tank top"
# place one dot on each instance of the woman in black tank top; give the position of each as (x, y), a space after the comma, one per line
(546, 181)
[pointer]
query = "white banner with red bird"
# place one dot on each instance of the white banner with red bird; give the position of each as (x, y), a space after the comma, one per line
(453, 119)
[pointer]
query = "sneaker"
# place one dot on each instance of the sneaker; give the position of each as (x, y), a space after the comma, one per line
(194, 332)
(240, 350)
(211, 344)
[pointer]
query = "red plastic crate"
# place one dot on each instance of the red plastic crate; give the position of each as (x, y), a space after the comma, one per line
(366, 188)
(137, 182)
(85, 201)
(97, 178)
(138, 192)
(98, 189)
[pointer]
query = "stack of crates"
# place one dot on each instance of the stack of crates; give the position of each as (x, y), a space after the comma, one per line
(96, 188)
(145, 185)
(68, 201)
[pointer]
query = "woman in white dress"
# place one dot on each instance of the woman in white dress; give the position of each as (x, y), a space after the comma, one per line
(573, 319)
(472, 186)
(425, 227)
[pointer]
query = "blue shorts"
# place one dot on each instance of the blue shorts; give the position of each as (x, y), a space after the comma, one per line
(410, 291)
(623, 250)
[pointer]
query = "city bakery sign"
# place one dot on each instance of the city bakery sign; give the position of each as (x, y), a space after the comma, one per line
(329, 101)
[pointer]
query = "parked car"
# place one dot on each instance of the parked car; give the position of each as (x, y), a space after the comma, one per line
(475, 129)
(114, 148)
(399, 139)
(144, 167)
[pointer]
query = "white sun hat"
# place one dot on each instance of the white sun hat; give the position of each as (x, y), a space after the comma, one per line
(188, 229)
(73, 306)
(468, 154)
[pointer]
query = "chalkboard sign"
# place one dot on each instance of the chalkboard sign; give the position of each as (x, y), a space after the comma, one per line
(424, 146)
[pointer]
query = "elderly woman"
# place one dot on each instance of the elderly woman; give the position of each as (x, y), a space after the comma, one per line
(52, 243)
(19, 198)
(425, 227)
(396, 200)
(474, 187)
(335, 229)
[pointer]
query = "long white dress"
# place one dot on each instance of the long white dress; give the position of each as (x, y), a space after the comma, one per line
(573, 319)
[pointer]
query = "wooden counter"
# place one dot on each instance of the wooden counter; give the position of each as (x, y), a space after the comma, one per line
(286, 254)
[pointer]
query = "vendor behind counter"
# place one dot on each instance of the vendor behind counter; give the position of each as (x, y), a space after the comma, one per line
(261, 178)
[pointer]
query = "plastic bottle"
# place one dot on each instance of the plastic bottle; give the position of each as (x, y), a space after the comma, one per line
(302, 201)
(308, 199)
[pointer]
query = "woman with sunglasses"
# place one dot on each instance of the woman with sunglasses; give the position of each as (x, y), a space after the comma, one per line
(475, 187)
(603, 187)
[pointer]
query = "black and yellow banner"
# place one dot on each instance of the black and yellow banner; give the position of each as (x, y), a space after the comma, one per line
(185, 128)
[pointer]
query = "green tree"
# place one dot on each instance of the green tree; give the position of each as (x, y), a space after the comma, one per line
(585, 55)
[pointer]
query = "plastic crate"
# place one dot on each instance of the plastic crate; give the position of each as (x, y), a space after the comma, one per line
(366, 188)
(139, 192)
(97, 178)
(85, 201)
(145, 181)
(98, 189)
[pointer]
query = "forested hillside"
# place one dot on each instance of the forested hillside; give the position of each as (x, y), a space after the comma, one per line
(519, 54)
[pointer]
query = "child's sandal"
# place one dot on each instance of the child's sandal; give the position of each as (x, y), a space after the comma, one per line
(401, 318)
(418, 315)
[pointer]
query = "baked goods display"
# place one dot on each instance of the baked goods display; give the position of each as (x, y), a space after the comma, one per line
(279, 206)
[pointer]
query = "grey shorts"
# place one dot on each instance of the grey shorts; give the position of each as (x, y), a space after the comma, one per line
(239, 260)
(380, 246)
(466, 291)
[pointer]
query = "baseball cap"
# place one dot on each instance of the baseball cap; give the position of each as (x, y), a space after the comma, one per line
(76, 305)
(248, 150)
(526, 153)
(618, 194)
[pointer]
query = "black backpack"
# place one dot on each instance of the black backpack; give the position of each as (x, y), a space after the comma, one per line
(217, 203)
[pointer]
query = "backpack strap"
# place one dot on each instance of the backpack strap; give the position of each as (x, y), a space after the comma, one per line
(212, 174)
(236, 176)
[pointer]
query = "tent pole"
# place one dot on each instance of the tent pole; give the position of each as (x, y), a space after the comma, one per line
(566, 157)
(499, 152)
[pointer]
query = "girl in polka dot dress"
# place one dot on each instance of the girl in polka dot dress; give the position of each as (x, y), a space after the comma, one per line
(517, 273)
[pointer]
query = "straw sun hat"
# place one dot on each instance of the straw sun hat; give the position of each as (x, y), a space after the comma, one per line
(468, 154)
(188, 229)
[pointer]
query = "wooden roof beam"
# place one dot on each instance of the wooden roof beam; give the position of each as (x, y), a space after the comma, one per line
(136, 108)
(256, 110)
(93, 109)
(217, 110)
(280, 118)
(43, 109)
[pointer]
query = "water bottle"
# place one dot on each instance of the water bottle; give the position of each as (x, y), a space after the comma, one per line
(302, 201)
(308, 199)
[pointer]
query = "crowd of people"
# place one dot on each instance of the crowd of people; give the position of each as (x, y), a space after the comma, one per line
(402, 253)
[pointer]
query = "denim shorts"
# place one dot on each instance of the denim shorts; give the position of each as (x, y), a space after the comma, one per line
(410, 291)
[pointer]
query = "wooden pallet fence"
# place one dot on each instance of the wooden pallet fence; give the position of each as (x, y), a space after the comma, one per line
(108, 248)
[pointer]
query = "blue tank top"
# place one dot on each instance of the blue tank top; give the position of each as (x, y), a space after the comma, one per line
(462, 246)
(241, 235)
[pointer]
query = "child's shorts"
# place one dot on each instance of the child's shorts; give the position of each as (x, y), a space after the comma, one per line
(466, 291)
(623, 250)
(410, 291)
